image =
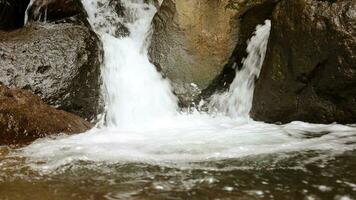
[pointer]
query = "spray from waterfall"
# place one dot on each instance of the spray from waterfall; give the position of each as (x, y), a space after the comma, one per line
(142, 123)
(135, 93)
(237, 101)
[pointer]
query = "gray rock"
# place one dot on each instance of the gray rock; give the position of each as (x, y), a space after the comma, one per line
(59, 62)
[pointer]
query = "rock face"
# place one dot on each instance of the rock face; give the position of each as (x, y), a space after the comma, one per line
(12, 13)
(24, 118)
(59, 62)
(52, 10)
(193, 41)
(309, 73)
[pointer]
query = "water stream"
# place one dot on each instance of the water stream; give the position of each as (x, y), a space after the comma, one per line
(147, 149)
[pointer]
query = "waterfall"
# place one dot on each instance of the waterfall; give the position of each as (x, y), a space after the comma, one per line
(142, 124)
(27, 10)
(135, 93)
(237, 101)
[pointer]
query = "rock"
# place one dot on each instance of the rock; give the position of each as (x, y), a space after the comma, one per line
(309, 73)
(251, 14)
(59, 62)
(25, 118)
(113, 14)
(156, 3)
(194, 40)
(53, 10)
(12, 13)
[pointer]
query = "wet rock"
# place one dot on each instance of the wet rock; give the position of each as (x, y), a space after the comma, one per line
(193, 41)
(113, 13)
(252, 13)
(12, 13)
(59, 62)
(309, 73)
(156, 3)
(54, 10)
(25, 118)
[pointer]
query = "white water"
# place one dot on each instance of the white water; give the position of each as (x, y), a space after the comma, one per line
(136, 95)
(36, 11)
(142, 121)
(237, 102)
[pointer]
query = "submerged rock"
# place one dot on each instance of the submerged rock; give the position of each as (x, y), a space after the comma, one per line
(193, 41)
(59, 62)
(309, 73)
(25, 118)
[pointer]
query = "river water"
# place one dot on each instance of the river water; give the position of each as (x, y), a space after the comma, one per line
(146, 148)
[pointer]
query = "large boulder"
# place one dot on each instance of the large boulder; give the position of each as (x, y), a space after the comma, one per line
(194, 40)
(59, 62)
(24, 118)
(309, 73)
(12, 13)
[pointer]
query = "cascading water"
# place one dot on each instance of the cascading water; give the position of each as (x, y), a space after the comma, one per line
(142, 121)
(135, 93)
(237, 102)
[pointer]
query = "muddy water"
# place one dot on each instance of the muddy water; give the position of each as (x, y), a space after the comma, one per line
(294, 175)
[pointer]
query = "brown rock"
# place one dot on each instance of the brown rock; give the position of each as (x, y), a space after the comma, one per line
(24, 118)
(194, 40)
(309, 73)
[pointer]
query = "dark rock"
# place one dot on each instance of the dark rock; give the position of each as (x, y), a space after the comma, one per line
(54, 10)
(309, 73)
(25, 118)
(59, 62)
(12, 13)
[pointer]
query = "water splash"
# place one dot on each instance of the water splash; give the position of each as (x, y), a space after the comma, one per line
(142, 121)
(237, 102)
(136, 94)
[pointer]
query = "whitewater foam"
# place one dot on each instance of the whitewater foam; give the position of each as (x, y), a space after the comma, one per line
(237, 102)
(142, 123)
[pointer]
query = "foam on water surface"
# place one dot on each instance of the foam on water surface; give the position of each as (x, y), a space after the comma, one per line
(142, 122)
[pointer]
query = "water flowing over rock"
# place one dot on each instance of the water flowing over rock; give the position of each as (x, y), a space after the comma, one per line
(52, 10)
(190, 155)
(24, 118)
(59, 62)
(194, 40)
(237, 101)
(310, 69)
(109, 16)
(135, 93)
